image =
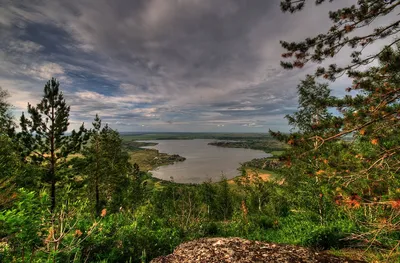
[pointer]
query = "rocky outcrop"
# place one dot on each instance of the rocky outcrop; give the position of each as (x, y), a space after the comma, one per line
(209, 250)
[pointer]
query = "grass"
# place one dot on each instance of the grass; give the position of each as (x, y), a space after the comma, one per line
(273, 173)
(149, 159)
(371, 255)
(265, 175)
(277, 153)
(144, 158)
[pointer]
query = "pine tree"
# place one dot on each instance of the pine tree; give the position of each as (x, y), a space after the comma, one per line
(106, 166)
(93, 154)
(352, 160)
(209, 194)
(354, 155)
(43, 134)
(117, 167)
(346, 23)
(7, 125)
(312, 111)
(224, 199)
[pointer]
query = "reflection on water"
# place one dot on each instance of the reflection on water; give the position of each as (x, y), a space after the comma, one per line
(203, 161)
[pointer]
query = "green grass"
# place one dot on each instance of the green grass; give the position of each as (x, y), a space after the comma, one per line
(277, 153)
(149, 159)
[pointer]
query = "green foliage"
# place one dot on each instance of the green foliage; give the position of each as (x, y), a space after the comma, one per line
(14, 173)
(7, 125)
(313, 110)
(43, 138)
(23, 224)
(123, 238)
(111, 211)
(301, 229)
(349, 161)
(106, 166)
(224, 199)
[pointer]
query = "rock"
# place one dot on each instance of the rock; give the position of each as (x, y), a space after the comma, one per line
(209, 250)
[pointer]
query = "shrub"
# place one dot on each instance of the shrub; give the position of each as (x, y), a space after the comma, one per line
(325, 237)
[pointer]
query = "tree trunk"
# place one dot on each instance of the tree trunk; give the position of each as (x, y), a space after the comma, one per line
(97, 198)
(97, 178)
(52, 162)
(53, 190)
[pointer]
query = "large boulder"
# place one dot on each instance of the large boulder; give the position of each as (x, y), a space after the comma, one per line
(210, 250)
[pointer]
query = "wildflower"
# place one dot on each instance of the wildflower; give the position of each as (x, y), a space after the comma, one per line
(353, 203)
(78, 233)
(103, 212)
(339, 199)
(244, 208)
(395, 204)
(49, 236)
(374, 141)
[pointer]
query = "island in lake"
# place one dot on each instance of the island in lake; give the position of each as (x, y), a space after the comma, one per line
(202, 161)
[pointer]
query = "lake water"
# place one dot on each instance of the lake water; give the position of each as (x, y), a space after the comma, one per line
(203, 161)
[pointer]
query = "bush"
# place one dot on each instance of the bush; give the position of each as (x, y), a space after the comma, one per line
(325, 238)
(265, 222)
(211, 229)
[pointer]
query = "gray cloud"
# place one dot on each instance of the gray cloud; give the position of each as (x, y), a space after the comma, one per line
(165, 64)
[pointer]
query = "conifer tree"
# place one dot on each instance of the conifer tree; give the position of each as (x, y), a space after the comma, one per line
(9, 163)
(354, 154)
(208, 191)
(43, 134)
(369, 116)
(117, 167)
(93, 153)
(106, 166)
(347, 23)
(224, 199)
(7, 125)
(312, 109)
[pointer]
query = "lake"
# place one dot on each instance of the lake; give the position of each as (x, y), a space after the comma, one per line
(203, 161)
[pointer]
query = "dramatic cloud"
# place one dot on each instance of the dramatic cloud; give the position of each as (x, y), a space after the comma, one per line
(159, 65)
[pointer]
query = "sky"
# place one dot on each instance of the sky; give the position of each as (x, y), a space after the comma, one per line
(159, 65)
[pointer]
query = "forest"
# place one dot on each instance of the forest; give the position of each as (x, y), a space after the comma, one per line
(79, 196)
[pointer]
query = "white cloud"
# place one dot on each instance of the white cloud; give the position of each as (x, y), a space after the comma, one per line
(127, 100)
(24, 46)
(252, 125)
(47, 70)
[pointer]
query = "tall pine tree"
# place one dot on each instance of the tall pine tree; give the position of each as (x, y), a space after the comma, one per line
(43, 134)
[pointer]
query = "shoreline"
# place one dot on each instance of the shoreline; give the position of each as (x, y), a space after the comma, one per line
(150, 159)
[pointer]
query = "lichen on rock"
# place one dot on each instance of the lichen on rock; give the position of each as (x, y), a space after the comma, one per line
(209, 250)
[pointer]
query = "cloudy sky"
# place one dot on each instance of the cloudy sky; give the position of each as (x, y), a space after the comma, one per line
(159, 65)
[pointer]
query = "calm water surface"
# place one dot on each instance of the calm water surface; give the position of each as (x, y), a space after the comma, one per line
(203, 161)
